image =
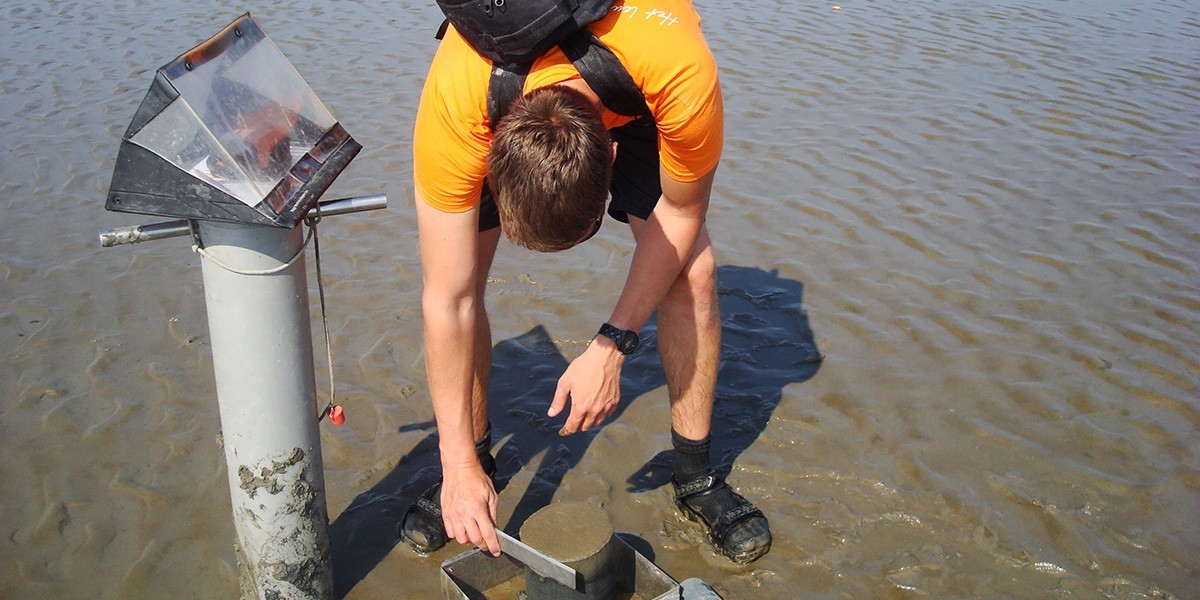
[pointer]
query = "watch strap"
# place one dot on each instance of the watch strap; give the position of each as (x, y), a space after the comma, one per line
(625, 340)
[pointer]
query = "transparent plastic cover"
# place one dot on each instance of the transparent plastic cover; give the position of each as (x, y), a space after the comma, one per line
(243, 118)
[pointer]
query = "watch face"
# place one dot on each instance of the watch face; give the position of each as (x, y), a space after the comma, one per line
(628, 343)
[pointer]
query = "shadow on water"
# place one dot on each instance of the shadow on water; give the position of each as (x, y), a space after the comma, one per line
(766, 344)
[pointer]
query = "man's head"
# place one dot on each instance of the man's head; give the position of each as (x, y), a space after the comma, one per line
(549, 169)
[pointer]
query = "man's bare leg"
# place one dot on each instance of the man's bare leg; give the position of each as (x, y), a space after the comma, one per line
(488, 241)
(689, 339)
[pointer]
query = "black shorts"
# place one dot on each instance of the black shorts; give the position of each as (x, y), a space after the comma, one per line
(635, 185)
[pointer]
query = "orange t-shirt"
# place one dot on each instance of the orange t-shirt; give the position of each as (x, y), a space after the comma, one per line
(658, 41)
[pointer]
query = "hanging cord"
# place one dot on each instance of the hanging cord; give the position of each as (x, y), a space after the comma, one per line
(333, 411)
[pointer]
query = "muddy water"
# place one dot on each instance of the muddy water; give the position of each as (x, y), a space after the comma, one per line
(983, 215)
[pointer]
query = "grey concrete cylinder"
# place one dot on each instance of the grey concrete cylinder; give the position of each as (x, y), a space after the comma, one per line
(263, 362)
(580, 535)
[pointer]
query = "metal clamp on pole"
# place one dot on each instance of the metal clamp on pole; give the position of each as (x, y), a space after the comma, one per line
(134, 234)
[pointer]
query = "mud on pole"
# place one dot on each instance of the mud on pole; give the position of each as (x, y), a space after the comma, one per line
(263, 362)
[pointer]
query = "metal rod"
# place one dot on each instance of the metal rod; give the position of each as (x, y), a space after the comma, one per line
(266, 394)
(169, 229)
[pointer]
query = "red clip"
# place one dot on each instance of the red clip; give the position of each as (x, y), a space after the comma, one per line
(336, 415)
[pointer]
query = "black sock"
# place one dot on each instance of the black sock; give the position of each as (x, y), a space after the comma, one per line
(691, 457)
(483, 445)
(483, 449)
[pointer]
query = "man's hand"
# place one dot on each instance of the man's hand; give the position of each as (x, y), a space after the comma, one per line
(592, 382)
(469, 507)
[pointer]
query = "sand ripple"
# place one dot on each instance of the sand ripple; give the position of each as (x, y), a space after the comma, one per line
(983, 217)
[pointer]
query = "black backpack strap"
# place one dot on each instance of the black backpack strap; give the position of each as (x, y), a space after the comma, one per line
(504, 88)
(598, 66)
(605, 74)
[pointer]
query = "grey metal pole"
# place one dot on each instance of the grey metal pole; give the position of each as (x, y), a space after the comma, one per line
(263, 362)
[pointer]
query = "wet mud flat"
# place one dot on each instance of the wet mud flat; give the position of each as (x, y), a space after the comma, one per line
(959, 292)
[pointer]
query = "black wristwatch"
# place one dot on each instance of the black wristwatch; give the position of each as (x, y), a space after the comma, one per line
(626, 340)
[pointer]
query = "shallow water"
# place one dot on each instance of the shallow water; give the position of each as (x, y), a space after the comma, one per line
(983, 215)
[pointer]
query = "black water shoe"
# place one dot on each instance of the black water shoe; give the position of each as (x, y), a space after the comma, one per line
(422, 527)
(737, 529)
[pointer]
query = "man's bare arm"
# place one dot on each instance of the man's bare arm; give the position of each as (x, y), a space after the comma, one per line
(448, 244)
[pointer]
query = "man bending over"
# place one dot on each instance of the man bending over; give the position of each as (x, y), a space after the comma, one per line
(543, 176)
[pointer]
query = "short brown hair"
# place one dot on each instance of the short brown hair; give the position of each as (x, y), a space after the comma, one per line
(549, 168)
